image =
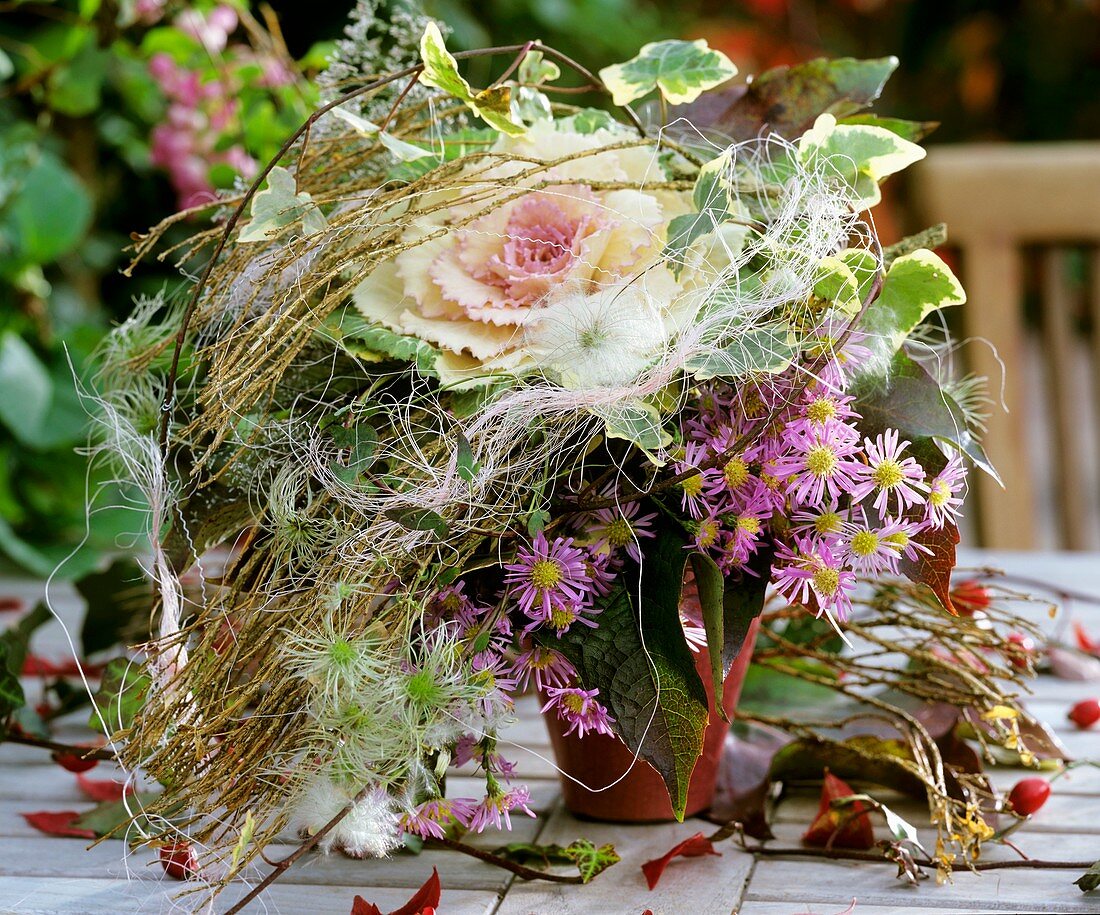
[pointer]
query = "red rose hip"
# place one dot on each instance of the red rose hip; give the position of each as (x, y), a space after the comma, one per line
(178, 860)
(1028, 795)
(970, 597)
(1085, 713)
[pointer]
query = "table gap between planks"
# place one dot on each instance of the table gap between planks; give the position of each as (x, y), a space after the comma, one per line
(43, 874)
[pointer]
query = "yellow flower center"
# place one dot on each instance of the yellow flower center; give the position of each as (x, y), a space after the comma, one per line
(940, 493)
(574, 702)
(693, 486)
(820, 410)
(887, 475)
(770, 480)
(736, 472)
(545, 574)
(865, 543)
(749, 525)
(708, 533)
(821, 461)
(562, 617)
(826, 581)
(827, 523)
(899, 540)
(619, 532)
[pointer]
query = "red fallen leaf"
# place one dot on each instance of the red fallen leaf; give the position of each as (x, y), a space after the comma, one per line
(693, 847)
(103, 789)
(847, 827)
(934, 569)
(9, 604)
(423, 902)
(73, 762)
(57, 823)
(1085, 641)
(37, 666)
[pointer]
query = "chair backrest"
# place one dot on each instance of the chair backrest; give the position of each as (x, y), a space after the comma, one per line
(997, 200)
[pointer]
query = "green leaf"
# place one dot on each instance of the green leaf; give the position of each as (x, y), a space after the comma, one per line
(401, 150)
(535, 69)
(589, 120)
(419, 519)
(1090, 879)
(729, 609)
(913, 131)
(49, 214)
(787, 100)
(530, 854)
(591, 860)
(845, 279)
(762, 350)
(681, 70)
(14, 643)
(74, 87)
(25, 389)
(111, 606)
(858, 155)
(639, 423)
(493, 106)
(640, 662)
(770, 691)
(713, 204)
(915, 285)
(11, 690)
(114, 818)
(374, 343)
(280, 205)
(120, 696)
(468, 466)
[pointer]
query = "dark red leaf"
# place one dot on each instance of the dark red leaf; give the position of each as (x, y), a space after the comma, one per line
(423, 902)
(693, 847)
(1085, 641)
(934, 570)
(103, 789)
(9, 603)
(57, 823)
(73, 762)
(425, 897)
(36, 666)
(845, 827)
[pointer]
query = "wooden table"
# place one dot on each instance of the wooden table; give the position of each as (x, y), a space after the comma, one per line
(43, 874)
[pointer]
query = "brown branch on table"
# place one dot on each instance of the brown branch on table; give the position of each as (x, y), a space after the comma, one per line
(520, 870)
(53, 746)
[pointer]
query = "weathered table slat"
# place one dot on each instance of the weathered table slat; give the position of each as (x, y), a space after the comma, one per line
(41, 874)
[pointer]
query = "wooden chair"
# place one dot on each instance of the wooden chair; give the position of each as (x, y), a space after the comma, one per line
(998, 200)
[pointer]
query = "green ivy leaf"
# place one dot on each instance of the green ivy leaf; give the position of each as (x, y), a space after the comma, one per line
(845, 279)
(280, 205)
(419, 519)
(589, 120)
(493, 106)
(11, 690)
(913, 131)
(915, 285)
(26, 390)
(532, 855)
(762, 350)
(468, 466)
(639, 423)
(1089, 880)
(681, 70)
(114, 818)
(535, 69)
(374, 343)
(120, 696)
(640, 662)
(401, 150)
(858, 155)
(591, 860)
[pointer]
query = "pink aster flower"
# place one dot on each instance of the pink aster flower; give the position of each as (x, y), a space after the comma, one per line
(602, 569)
(495, 809)
(546, 666)
(814, 524)
(547, 575)
(693, 499)
(579, 708)
(563, 616)
(708, 536)
(821, 405)
(837, 372)
(747, 523)
(871, 549)
(943, 493)
(494, 673)
(814, 574)
(889, 473)
(819, 466)
(620, 528)
(902, 538)
(431, 819)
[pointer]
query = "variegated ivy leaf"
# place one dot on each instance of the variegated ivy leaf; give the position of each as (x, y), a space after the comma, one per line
(915, 285)
(535, 69)
(639, 423)
(762, 350)
(860, 155)
(680, 70)
(493, 106)
(845, 279)
(529, 105)
(401, 150)
(714, 205)
(280, 205)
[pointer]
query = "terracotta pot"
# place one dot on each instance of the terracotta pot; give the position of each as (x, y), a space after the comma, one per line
(641, 796)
